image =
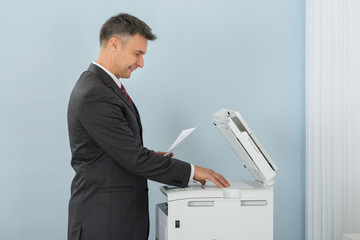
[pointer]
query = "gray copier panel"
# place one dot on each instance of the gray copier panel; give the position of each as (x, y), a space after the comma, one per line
(242, 211)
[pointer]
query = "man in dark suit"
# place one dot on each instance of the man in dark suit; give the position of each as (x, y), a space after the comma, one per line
(109, 193)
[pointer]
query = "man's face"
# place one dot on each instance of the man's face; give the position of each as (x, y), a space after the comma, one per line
(130, 56)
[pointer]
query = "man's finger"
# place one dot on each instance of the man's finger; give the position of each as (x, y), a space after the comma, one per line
(219, 180)
(217, 183)
(222, 180)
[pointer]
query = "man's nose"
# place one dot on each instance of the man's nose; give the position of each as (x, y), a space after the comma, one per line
(140, 62)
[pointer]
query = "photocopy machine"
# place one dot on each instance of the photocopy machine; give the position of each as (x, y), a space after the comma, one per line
(243, 211)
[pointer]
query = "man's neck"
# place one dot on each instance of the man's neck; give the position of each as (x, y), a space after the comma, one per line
(106, 63)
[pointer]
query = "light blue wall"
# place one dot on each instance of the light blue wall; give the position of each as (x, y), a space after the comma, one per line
(244, 55)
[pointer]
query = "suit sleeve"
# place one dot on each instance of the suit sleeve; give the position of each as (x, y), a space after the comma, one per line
(104, 120)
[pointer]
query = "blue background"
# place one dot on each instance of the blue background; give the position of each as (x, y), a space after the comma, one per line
(243, 55)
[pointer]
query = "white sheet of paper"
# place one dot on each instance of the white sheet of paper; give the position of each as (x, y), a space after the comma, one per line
(184, 134)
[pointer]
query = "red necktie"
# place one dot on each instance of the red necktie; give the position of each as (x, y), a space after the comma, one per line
(126, 94)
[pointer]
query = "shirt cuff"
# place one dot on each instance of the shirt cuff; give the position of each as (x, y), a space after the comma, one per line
(192, 173)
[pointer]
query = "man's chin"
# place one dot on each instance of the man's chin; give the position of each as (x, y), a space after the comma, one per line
(126, 76)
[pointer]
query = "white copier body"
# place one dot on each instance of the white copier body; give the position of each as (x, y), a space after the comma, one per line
(242, 211)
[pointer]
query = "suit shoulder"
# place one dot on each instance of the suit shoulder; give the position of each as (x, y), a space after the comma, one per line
(89, 79)
(89, 84)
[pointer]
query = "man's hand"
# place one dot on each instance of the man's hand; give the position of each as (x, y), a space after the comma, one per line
(203, 174)
(163, 153)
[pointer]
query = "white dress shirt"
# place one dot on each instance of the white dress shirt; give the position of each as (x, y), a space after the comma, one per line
(117, 81)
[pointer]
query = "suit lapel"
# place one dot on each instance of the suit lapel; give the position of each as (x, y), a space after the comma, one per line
(109, 82)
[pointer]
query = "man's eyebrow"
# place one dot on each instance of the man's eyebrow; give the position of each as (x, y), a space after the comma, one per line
(139, 51)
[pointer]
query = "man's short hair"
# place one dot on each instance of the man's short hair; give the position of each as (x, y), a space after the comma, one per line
(124, 25)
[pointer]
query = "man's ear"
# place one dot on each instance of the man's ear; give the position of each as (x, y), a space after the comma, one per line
(114, 44)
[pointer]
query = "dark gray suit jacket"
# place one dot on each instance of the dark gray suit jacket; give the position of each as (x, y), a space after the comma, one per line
(109, 193)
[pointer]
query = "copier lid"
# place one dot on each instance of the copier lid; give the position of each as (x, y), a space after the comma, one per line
(244, 143)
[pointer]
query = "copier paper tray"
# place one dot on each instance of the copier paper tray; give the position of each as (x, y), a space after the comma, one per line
(244, 143)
